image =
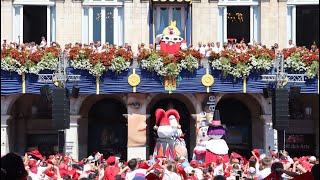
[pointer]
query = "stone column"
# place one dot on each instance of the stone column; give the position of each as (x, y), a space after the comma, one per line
(5, 134)
(268, 133)
(21, 138)
(137, 127)
(71, 143)
(83, 137)
(282, 24)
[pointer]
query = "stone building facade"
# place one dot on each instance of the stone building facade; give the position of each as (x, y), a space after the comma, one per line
(25, 117)
(137, 21)
(26, 121)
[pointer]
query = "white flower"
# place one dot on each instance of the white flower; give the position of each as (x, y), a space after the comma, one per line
(119, 64)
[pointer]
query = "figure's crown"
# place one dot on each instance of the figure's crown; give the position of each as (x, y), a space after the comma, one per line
(173, 23)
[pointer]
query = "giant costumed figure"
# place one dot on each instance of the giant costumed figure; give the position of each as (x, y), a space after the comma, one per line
(199, 152)
(217, 148)
(179, 143)
(170, 40)
(169, 142)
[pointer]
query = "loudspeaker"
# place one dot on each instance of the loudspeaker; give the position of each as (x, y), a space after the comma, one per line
(60, 108)
(265, 92)
(280, 109)
(61, 141)
(45, 92)
(295, 92)
(75, 91)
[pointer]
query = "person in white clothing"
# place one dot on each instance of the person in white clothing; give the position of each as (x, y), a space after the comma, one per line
(202, 50)
(217, 48)
(43, 42)
(266, 165)
(134, 171)
(170, 172)
(291, 45)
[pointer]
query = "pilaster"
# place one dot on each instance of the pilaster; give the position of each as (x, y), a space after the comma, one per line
(5, 134)
(72, 143)
(268, 133)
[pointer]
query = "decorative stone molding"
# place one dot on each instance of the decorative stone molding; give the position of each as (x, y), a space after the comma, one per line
(265, 0)
(4, 120)
(212, 1)
(74, 119)
(282, 0)
(7, 102)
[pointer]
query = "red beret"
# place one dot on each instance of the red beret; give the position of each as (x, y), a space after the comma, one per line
(144, 165)
(194, 163)
(111, 160)
(49, 173)
(36, 154)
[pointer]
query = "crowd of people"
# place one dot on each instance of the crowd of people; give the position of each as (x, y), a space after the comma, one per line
(259, 167)
(204, 49)
(240, 47)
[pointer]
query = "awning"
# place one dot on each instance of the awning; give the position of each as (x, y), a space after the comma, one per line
(171, 0)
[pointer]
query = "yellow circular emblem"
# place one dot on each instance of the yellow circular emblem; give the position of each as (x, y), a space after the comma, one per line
(284, 82)
(207, 80)
(134, 80)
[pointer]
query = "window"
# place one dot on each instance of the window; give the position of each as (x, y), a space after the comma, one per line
(102, 20)
(164, 15)
(237, 22)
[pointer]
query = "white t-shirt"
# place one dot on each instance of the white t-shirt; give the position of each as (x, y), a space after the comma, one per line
(264, 173)
(130, 175)
(168, 175)
(202, 50)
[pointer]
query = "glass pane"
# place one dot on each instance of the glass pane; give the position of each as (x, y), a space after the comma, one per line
(121, 34)
(53, 23)
(85, 25)
(163, 20)
(176, 16)
(96, 24)
(109, 25)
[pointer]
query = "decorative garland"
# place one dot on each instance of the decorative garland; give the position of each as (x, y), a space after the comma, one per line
(27, 62)
(168, 65)
(239, 65)
(116, 60)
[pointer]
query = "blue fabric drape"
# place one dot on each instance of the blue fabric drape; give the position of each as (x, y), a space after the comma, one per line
(111, 83)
